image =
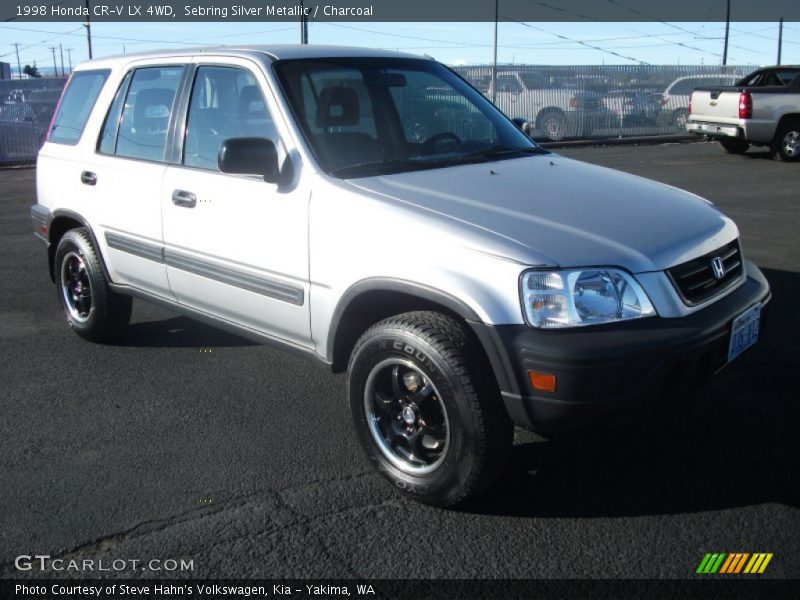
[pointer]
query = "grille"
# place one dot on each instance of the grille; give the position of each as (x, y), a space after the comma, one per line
(695, 279)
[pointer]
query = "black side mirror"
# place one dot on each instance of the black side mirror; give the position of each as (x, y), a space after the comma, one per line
(249, 156)
(523, 124)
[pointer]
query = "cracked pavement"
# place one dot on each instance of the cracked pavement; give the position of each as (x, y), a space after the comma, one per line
(243, 459)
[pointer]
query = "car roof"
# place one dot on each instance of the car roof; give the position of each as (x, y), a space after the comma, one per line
(263, 51)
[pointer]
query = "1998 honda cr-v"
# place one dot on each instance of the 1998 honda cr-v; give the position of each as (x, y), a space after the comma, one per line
(372, 210)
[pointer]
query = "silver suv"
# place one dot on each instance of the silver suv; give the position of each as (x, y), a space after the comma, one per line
(374, 212)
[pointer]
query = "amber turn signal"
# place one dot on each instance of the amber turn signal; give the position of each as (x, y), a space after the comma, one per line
(546, 382)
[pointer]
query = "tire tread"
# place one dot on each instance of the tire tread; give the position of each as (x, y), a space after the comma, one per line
(459, 349)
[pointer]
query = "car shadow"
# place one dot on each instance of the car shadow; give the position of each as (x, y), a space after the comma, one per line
(732, 444)
(758, 153)
(179, 332)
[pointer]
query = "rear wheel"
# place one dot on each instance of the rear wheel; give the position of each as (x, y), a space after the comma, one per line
(786, 143)
(433, 428)
(92, 309)
(733, 146)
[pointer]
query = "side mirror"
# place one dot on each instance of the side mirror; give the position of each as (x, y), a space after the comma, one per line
(523, 124)
(249, 156)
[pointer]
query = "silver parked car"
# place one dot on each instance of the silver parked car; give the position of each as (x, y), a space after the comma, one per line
(375, 213)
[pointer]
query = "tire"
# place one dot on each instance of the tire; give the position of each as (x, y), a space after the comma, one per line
(734, 146)
(93, 311)
(553, 125)
(679, 119)
(417, 379)
(786, 143)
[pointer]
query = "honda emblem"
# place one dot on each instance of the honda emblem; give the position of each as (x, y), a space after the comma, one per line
(718, 267)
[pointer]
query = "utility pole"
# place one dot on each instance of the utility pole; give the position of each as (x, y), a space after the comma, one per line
(19, 65)
(55, 66)
(88, 25)
(61, 50)
(494, 62)
(780, 39)
(69, 54)
(303, 24)
(727, 30)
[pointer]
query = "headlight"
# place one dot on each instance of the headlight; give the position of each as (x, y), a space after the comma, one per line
(577, 297)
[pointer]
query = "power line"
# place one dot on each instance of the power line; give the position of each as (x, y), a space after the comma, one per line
(105, 37)
(221, 37)
(765, 37)
(397, 35)
(598, 48)
(679, 28)
(44, 41)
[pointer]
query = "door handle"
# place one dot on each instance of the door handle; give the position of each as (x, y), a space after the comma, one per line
(184, 199)
(88, 178)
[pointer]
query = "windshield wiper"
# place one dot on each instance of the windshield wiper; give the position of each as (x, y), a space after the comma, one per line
(380, 166)
(487, 154)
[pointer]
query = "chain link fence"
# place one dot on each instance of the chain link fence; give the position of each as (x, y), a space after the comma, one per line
(594, 102)
(559, 102)
(26, 106)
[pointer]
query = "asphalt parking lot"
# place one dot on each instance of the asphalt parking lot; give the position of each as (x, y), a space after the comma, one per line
(180, 441)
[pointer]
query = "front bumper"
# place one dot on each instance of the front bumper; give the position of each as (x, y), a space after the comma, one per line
(615, 371)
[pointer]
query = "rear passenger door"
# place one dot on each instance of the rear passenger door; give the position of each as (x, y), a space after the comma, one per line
(235, 246)
(132, 152)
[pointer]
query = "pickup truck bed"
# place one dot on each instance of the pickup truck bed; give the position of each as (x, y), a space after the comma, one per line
(743, 115)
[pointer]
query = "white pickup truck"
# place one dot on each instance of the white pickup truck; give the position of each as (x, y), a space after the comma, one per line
(553, 112)
(762, 109)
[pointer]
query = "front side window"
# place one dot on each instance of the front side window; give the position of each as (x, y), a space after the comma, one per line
(226, 103)
(146, 112)
(371, 116)
(76, 105)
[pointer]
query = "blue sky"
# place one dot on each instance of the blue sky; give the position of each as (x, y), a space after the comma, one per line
(452, 43)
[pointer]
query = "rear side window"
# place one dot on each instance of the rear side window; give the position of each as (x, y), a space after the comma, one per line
(146, 112)
(76, 105)
(108, 136)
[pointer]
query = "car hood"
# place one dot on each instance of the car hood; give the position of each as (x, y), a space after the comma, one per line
(574, 213)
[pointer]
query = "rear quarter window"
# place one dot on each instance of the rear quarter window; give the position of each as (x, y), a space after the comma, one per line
(76, 105)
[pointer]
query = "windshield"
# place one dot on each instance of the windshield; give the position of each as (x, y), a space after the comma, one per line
(374, 116)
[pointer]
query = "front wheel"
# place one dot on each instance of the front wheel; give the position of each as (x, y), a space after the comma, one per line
(786, 143)
(92, 309)
(432, 427)
(553, 125)
(734, 146)
(680, 118)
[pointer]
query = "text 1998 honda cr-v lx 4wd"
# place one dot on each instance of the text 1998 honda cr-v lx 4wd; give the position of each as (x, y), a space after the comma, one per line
(372, 210)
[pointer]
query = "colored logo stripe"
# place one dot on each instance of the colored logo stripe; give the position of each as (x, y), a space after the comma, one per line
(734, 562)
(711, 563)
(758, 563)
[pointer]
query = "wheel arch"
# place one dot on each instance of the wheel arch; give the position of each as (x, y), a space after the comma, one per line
(794, 117)
(61, 222)
(546, 111)
(371, 300)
